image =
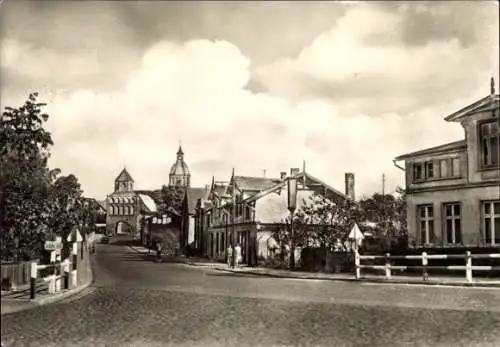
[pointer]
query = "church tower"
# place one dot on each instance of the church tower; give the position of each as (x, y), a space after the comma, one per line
(124, 182)
(179, 173)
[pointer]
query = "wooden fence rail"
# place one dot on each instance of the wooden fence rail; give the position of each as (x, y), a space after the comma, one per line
(424, 267)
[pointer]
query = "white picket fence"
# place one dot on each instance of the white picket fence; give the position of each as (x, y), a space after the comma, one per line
(468, 267)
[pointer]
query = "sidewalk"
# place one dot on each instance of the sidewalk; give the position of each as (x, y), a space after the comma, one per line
(19, 300)
(396, 279)
(193, 261)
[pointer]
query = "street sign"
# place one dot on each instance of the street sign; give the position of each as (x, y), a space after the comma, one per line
(74, 236)
(52, 245)
(355, 233)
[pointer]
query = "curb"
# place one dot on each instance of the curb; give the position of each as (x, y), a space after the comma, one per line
(366, 280)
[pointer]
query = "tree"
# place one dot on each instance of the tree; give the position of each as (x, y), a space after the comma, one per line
(24, 179)
(388, 213)
(171, 197)
(321, 223)
(67, 206)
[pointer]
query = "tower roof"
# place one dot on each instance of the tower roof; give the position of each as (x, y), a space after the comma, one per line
(180, 152)
(124, 176)
(180, 167)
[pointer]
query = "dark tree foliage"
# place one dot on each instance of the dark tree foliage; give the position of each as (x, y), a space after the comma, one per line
(35, 204)
(171, 197)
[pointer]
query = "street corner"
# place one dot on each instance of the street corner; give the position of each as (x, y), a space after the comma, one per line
(63, 295)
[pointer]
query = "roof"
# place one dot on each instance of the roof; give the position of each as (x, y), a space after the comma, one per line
(312, 183)
(148, 202)
(448, 147)
(192, 195)
(255, 183)
(179, 168)
(153, 194)
(124, 176)
(483, 104)
(102, 204)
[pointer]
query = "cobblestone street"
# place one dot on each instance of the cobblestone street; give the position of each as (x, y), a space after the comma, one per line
(136, 302)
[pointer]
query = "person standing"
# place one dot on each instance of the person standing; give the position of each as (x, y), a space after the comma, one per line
(229, 256)
(237, 253)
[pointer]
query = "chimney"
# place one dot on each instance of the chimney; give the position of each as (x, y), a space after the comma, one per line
(349, 185)
(294, 171)
(283, 175)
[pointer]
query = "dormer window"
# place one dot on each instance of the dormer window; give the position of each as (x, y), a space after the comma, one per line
(489, 143)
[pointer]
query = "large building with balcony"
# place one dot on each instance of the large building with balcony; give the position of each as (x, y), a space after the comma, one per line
(453, 190)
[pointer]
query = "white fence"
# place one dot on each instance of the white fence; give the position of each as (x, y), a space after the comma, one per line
(424, 257)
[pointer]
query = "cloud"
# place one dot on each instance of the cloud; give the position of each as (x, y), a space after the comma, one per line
(365, 59)
(356, 97)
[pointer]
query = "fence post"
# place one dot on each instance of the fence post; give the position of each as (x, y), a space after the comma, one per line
(66, 274)
(387, 266)
(356, 264)
(468, 267)
(33, 275)
(75, 265)
(424, 266)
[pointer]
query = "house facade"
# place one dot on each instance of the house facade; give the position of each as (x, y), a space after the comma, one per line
(188, 213)
(453, 190)
(260, 211)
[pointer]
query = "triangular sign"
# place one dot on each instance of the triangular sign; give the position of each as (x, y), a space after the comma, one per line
(75, 236)
(355, 233)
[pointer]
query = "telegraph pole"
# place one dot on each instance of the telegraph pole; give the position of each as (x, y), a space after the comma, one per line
(383, 184)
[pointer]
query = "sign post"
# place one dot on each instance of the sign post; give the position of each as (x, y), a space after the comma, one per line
(357, 236)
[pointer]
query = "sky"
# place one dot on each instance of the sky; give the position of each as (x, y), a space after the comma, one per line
(254, 86)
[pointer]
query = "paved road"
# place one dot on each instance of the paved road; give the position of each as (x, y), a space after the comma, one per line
(136, 302)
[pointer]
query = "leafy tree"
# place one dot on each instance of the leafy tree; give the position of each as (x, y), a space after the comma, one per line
(24, 179)
(320, 223)
(388, 213)
(35, 204)
(171, 197)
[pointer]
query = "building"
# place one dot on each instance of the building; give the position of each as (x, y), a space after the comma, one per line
(127, 207)
(179, 172)
(453, 190)
(188, 212)
(260, 212)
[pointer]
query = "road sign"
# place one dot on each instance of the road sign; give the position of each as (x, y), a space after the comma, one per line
(355, 233)
(52, 245)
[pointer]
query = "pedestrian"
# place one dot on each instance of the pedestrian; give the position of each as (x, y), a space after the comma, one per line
(237, 254)
(158, 251)
(229, 256)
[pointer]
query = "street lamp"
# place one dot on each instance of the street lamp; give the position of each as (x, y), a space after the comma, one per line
(292, 205)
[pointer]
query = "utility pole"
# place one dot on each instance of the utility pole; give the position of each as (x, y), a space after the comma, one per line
(383, 184)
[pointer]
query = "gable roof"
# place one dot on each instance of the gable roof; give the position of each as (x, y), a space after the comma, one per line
(311, 182)
(193, 195)
(483, 104)
(124, 176)
(248, 183)
(447, 147)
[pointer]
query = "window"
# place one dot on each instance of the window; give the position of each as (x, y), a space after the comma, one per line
(120, 210)
(417, 172)
(248, 212)
(426, 223)
(453, 223)
(491, 222)
(111, 210)
(443, 168)
(131, 210)
(217, 244)
(488, 134)
(455, 165)
(429, 169)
